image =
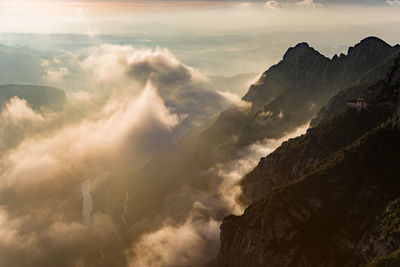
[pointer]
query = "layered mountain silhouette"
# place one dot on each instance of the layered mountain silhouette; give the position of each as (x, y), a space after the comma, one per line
(37, 96)
(331, 196)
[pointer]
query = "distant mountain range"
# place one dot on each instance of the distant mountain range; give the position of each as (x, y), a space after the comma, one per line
(37, 96)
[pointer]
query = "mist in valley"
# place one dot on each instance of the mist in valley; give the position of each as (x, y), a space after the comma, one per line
(118, 139)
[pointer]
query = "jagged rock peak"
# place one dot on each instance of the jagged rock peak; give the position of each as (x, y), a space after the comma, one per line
(372, 40)
(303, 44)
(369, 43)
(301, 50)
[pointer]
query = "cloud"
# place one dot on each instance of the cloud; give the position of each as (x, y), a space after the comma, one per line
(18, 111)
(125, 105)
(393, 2)
(245, 4)
(114, 134)
(114, 62)
(124, 70)
(52, 72)
(235, 100)
(25, 241)
(81, 96)
(272, 4)
(69, 186)
(195, 241)
(9, 233)
(18, 119)
(178, 245)
(308, 3)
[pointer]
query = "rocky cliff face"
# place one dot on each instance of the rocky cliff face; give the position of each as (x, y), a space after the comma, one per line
(338, 102)
(335, 216)
(329, 197)
(290, 93)
(295, 157)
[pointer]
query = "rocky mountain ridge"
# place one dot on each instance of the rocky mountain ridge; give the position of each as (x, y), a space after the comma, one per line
(290, 93)
(329, 197)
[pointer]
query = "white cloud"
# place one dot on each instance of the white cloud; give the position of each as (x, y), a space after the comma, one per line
(111, 135)
(245, 4)
(81, 96)
(272, 4)
(19, 111)
(393, 2)
(108, 130)
(125, 105)
(308, 3)
(196, 240)
(105, 142)
(235, 100)
(177, 245)
(53, 72)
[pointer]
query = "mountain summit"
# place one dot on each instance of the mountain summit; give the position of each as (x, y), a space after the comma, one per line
(327, 198)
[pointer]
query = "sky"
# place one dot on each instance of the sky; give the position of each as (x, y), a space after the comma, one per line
(90, 16)
(218, 37)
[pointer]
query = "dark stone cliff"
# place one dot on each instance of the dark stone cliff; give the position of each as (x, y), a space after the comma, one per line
(328, 198)
(290, 94)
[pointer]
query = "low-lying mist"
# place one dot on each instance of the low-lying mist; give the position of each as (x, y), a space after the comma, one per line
(68, 177)
(195, 241)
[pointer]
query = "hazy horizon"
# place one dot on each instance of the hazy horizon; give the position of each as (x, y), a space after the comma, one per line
(218, 37)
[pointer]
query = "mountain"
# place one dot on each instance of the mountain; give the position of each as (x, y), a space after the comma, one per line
(21, 65)
(37, 96)
(338, 102)
(236, 84)
(286, 96)
(290, 93)
(327, 198)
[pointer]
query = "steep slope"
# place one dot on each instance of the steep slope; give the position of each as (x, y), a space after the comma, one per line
(335, 216)
(327, 198)
(303, 76)
(294, 158)
(338, 102)
(37, 96)
(290, 93)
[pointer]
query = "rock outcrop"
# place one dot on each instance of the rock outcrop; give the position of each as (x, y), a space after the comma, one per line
(295, 157)
(290, 93)
(328, 198)
(334, 216)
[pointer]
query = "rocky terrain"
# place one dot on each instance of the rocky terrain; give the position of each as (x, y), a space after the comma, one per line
(286, 96)
(291, 93)
(329, 197)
